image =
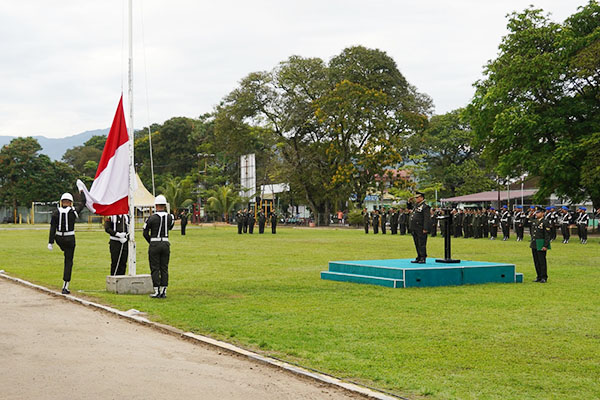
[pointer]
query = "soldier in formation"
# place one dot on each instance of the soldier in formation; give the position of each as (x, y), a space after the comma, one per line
(505, 223)
(117, 227)
(582, 224)
(566, 220)
(520, 221)
(366, 220)
(261, 222)
(493, 220)
(156, 232)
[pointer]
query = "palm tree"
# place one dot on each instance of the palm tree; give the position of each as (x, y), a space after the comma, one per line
(177, 193)
(223, 201)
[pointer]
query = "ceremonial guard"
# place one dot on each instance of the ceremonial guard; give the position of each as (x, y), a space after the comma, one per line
(530, 219)
(251, 221)
(383, 221)
(434, 223)
(394, 221)
(552, 218)
(493, 220)
(477, 234)
(366, 219)
(540, 243)
(457, 222)
(117, 226)
(582, 224)
(156, 233)
(566, 219)
(62, 230)
(261, 222)
(184, 220)
(467, 220)
(239, 218)
(420, 226)
(505, 222)
(402, 221)
(520, 219)
(485, 228)
(273, 222)
(375, 219)
(245, 220)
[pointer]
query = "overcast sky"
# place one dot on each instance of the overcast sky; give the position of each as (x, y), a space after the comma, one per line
(63, 63)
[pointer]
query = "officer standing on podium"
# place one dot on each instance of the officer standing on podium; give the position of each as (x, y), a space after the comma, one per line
(62, 230)
(156, 233)
(117, 227)
(420, 226)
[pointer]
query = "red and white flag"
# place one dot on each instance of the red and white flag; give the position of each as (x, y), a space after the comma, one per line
(108, 195)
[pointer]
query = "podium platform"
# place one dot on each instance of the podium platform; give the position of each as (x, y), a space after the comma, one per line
(401, 273)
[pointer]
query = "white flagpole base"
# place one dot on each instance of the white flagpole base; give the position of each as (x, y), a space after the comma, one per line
(129, 284)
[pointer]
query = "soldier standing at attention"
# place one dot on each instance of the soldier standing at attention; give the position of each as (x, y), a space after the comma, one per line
(184, 220)
(156, 233)
(531, 219)
(117, 227)
(420, 226)
(540, 243)
(261, 222)
(520, 223)
(402, 219)
(383, 220)
(375, 220)
(245, 220)
(582, 224)
(251, 222)
(62, 230)
(366, 219)
(566, 219)
(273, 222)
(433, 222)
(240, 221)
(505, 222)
(394, 221)
(493, 220)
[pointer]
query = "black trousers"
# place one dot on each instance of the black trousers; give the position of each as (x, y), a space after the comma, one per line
(505, 229)
(261, 227)
(183, 228)
(245, 228)
(564, 229)
(420, 245)
(239, 229)
(273, 228)
(383, 228)
(539, 260)
(118, 256)
(158, 255)
(251, 228)
(67, 245)
(403, 229)
(375, 229)
(520, 229)
(582, 231)
(494, 231)
(394, 228)
(366, 228)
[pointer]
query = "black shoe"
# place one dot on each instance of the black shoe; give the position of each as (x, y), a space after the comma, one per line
(417, 261)
(155, 296)
(537, 280)
(65, 291)
(542, 281)
(421, 261)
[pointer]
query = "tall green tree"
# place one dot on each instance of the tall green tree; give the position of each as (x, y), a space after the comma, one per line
(223, 201)
(537, 110)
(27, 176)
(178, 193)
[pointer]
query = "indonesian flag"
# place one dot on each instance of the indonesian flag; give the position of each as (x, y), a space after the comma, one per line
(108, 195)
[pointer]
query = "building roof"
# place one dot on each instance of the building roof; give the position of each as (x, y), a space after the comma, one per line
(491, 196)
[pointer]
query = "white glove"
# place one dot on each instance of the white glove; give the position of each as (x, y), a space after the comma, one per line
(121, 234)
(123, 239)
(50, 246)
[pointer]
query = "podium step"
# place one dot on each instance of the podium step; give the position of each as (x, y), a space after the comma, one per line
(367, 270)
(370, 280)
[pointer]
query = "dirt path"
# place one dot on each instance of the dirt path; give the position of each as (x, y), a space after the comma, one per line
(52, 348)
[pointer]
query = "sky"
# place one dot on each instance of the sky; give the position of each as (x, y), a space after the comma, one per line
(63, 64)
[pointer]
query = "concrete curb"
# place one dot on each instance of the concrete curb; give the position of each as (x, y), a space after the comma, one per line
(132, 315)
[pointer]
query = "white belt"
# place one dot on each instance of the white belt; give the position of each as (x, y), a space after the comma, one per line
(69, 233)
(159, 239)
(116, 238)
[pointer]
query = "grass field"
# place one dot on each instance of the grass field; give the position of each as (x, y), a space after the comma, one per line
(264, 292)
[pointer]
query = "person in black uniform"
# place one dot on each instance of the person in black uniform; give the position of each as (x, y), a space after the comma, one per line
(383, 220)
(540, 243)
(245, 220)
(566, 219)
(251, 222)
(62, 230)
(519, 219)
(493, 221)
(184, 220)
(117, 227)
(420, 226)
(402, 220)
(394, 221)
(366, 219)
(261, 222)
(375, 219)
(582, 224)
(156, 233)
(239, 218)
(273, 222)
(505, 222)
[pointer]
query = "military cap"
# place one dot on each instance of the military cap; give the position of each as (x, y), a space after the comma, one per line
(520, 207)
(565, 208)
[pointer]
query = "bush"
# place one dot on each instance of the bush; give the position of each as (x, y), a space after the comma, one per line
(355, 217)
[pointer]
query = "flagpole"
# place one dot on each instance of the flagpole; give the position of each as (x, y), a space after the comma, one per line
(132, 247)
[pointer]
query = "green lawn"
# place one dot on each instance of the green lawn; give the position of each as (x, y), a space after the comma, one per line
(494, 341)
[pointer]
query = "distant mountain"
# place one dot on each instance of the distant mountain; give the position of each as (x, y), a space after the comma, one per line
(55, 148)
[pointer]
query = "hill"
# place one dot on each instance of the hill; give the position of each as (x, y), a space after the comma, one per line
(55, 148)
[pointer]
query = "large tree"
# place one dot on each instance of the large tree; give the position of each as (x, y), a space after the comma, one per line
(537, 111)
(27, 176)
(337, 125)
